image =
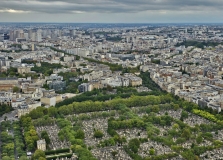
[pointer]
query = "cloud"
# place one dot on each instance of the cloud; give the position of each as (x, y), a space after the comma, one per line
(108, 6)
(140, 11)
(12, 11)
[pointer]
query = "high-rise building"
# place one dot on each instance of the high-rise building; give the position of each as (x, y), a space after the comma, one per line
(11, 35)
(26, 36)
(5, 36)
(72, 32)
(17, 34)
(30, 34)
(44, 33)
(21, 34)
(38, 37)
(33, 37)
(33, 47)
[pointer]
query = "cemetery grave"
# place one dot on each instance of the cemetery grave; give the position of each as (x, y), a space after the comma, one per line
(110, 153)
(153, 148)
(90, 126)
(52, 131)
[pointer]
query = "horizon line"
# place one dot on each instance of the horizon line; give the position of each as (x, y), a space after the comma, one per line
(125, 22)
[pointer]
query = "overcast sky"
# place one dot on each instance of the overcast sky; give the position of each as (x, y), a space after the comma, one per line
(112, 11)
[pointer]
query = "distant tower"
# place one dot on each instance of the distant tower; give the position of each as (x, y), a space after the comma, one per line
(33, 47)
(38, 36)
(30, 32)
(11, 35)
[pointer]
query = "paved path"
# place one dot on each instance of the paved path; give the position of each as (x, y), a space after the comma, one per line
(10, 116)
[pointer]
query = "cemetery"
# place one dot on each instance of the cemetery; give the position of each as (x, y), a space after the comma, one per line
(116, 129)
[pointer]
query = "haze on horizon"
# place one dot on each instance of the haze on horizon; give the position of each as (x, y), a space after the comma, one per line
(112, 11)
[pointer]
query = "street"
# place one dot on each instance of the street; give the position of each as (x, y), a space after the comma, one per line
(10, 116)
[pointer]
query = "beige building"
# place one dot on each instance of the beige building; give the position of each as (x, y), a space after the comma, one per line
(22, 70)
(41, 144)
(135, 81)
(25, 109)
(51, 100)
(8, 83)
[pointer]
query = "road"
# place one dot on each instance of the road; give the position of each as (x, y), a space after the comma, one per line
(10, 116)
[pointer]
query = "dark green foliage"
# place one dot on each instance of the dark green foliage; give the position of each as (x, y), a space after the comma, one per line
(39, 154)
(79, 134)
(147, 82)
(44, 135)
(199, 139)
(186, 133)
(133, 145)
(156, 61)
(38, 112)
(184, 115)
(64, 150)
(11, 72)
(71, 86)
(98, 134)
(5, 109)
(19, 139)
(46, 68)
(7, 145)
(30, 134)
(108, 142)
(82, 153)
(198, 44)
(28, 61)
(113, 39)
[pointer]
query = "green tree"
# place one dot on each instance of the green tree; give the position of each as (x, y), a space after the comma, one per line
(6, 158)
(199, 139)
(134, 145)
(175, 126)
(80, 134)
(52, 111)
(189, 155)
(15, 89)
(44, 135)
(23, 158)
(39, 154)
(184, 115)
(151, 151)
(186, 133)
(98, 134)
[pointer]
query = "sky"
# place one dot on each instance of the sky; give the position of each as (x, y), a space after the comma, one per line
(112, 11)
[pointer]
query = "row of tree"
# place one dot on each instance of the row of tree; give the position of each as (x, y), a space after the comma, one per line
(19, 139)
(206, 115)
(7, 140)
(30, 134)
(90, 106)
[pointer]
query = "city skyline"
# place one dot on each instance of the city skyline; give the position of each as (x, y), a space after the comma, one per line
(107, 11)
